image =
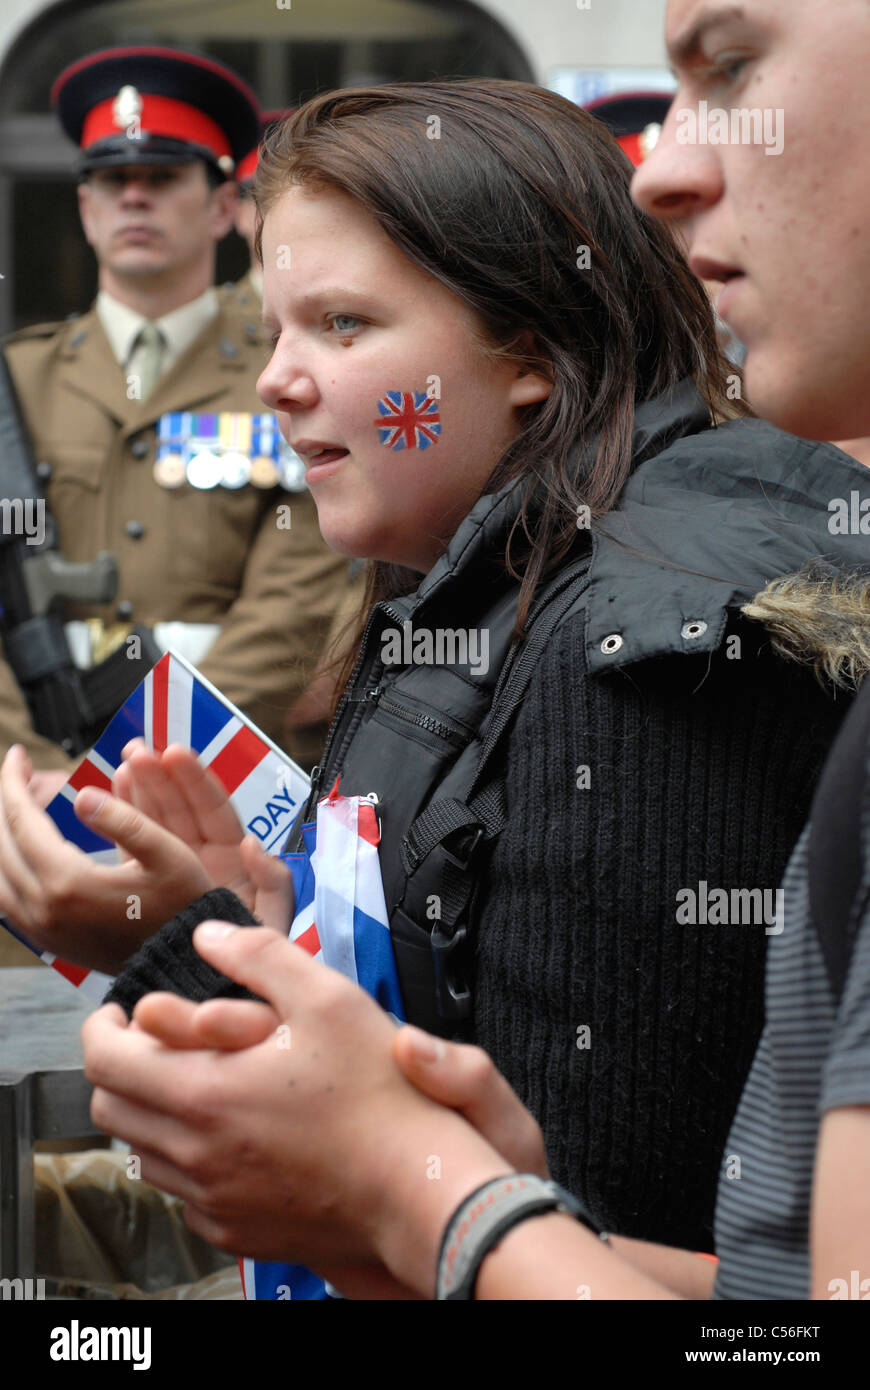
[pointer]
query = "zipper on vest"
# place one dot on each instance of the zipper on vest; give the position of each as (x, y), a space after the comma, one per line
(422, 721)
(350, 696)
(367, 696)
(318, 771)
(371, 695)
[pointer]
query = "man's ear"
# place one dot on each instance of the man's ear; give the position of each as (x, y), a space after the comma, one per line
(84, 197)
(223, 200)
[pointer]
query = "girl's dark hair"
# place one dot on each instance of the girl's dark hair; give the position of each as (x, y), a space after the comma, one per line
(518, 201)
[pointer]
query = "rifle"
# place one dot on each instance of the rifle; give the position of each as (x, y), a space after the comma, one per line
(68, 705)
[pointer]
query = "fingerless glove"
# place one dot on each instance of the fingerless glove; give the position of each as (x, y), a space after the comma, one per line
(169, 961)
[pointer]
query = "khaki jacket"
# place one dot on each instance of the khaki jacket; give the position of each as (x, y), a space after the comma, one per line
(242, 297)
(200, 556)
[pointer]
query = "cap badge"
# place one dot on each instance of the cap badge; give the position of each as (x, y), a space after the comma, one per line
(649, 138)
(127, 107)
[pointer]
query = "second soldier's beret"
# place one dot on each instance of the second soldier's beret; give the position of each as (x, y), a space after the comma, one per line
(634, 119)
(248, 166)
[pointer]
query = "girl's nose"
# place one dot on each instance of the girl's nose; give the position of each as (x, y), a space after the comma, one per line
(286, 386)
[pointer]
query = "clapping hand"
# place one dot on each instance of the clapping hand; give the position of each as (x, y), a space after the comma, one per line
(177, 792)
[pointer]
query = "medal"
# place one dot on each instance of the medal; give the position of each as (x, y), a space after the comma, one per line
(201, 450)
(169, 471)
(204, 470)
(263, 471)
(236, 470)
(291, 470)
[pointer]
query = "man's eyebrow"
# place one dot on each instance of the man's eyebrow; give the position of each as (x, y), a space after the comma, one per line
(686, 45)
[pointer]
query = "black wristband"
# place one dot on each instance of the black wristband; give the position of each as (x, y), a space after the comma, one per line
(169, 960)
(485, 1216)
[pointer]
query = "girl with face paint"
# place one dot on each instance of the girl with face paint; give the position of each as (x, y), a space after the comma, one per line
(495, 368)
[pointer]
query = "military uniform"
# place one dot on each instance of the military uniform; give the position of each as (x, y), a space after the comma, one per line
(212, 554)
(245, 296)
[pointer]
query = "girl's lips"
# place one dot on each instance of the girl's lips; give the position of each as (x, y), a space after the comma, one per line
(321, 465)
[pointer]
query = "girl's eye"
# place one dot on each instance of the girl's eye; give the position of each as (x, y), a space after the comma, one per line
(344, 323)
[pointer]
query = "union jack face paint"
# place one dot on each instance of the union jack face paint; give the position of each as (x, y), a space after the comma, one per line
(409, 420)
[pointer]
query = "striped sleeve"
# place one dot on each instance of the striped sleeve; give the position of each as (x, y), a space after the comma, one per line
(847, 1070)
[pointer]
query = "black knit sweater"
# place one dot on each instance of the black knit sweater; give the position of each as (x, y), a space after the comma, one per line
(699, 769)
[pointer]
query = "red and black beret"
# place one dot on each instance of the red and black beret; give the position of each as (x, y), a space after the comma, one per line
(248, 166)
(634, 119)
(148, 105)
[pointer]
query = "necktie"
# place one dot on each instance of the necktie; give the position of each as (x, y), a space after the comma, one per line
(145, 362)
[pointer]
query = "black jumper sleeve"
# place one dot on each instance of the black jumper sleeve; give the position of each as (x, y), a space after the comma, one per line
(169, 961)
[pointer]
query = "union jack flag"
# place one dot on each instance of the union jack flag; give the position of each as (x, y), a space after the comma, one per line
(341, 919)
(175, 704)
(409, 420)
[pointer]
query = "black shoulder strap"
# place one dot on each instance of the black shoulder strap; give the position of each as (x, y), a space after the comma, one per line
(834, 856)
(452, 829)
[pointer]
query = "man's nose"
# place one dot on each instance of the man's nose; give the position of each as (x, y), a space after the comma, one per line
(136, 189)
(677, 181)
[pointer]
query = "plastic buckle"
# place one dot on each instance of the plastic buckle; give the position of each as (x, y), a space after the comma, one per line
(462, 862)
(452, 999)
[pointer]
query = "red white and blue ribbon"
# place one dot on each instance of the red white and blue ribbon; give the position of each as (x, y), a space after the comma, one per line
(341, 919)
(174, 704)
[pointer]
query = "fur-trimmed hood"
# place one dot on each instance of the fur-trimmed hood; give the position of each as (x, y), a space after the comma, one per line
(740, 517)
(821, 618)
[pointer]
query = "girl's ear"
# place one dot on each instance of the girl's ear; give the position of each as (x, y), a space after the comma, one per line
(530, 384)
(528, 387)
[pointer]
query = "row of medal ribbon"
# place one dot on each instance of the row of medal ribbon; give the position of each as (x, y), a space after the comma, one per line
(229, 449)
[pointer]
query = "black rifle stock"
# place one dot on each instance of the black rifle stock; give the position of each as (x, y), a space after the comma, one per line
(35, 582)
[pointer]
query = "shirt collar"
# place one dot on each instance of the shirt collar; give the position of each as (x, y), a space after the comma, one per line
(180, 328)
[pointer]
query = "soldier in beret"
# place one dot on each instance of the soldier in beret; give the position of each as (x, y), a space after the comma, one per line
(155, 446)
(144, 413)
